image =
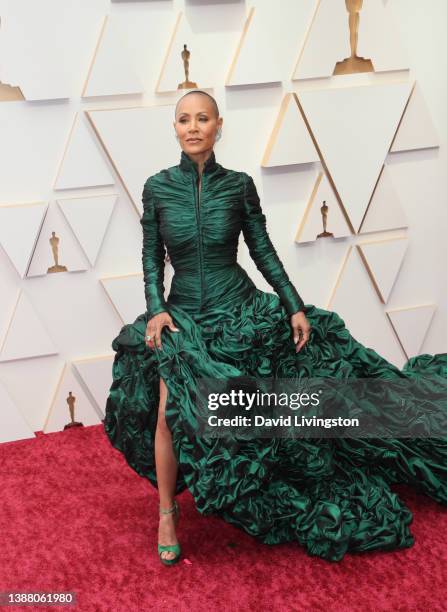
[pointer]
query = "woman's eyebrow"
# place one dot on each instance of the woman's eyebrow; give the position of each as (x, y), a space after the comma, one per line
(199, 113)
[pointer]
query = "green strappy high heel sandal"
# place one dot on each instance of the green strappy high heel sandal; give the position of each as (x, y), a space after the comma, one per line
(170, 547)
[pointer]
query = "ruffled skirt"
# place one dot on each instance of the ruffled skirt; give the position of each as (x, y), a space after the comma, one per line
(329, 495)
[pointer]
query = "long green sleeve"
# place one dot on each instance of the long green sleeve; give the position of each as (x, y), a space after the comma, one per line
(262, 250)
(153, 255)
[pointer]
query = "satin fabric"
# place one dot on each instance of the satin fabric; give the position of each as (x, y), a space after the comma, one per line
(329, 495)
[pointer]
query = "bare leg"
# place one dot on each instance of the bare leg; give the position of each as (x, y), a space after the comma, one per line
(166, 468)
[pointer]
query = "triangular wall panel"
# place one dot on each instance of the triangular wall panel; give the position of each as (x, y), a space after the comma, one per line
(26, 335)
(317, 60)
(59, 412)
(83, 163)
(385, 212)
(200, 65)
(312, 222)
(96, 374)
(379, 38)
(364, 316)
(19, 229)
(111, 72)
(416, 130)
(383, 259)
(48, 45)
(13, 425)
(69, 253)
(268, 44)
(89, 218)
(290, 141)
(128, 136)
(328, 40)
(411, 325)
(127, 293)
(365, 120)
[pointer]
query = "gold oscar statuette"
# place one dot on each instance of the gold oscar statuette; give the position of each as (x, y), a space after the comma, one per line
(324, 211)
(353, 64)
(54, 241)
(71, 399)
(187, 84)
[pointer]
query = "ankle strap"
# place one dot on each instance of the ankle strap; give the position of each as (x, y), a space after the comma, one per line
(174, 507)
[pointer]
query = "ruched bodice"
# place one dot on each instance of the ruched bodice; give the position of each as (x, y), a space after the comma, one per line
(200, 230)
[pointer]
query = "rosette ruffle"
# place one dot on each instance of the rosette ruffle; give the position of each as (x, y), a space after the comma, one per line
(331, 495)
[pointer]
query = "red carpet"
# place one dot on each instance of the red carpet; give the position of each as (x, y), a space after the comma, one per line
(75, 517)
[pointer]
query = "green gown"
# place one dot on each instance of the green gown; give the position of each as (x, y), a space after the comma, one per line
(329, 495)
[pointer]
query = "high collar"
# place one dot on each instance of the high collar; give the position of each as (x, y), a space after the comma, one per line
(189, 165)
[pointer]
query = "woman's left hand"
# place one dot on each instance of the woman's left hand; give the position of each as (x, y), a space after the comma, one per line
(301, 329)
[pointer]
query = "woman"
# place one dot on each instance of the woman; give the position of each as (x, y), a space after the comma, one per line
(330, 495)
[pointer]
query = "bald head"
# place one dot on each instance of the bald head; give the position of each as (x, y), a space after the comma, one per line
(198, 92)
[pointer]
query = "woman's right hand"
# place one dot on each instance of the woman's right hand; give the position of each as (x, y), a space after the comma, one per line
(155, 326)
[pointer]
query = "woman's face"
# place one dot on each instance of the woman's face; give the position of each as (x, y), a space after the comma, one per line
(196, 124)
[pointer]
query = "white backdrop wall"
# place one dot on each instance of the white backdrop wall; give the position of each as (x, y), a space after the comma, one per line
(98, 85)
